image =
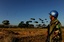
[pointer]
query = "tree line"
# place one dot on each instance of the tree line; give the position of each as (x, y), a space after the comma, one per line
(6, 24)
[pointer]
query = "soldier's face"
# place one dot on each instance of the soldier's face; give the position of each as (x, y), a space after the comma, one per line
(52, 18)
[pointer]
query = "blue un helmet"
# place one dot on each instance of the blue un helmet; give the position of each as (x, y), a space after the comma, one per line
(54, 13)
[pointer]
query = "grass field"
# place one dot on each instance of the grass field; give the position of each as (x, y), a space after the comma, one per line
(24, 34)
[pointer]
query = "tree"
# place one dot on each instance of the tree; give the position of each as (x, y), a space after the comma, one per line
(36, 23)
(45, 19)
(27, 24)
(32, 18)
(39, 25)
(41, 19)
(30, 21)
(44, 25)
(42, 22)
(6, 23)
(21, 24)
(31, 26)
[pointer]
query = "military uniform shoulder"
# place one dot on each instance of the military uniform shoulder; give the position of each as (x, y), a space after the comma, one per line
(57, 22)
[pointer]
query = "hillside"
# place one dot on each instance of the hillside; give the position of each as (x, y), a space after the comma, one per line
(23, 35)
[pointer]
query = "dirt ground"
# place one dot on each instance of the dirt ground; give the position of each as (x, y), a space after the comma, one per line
(24, 35)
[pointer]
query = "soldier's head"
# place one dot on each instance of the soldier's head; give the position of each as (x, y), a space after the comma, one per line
(53, 14)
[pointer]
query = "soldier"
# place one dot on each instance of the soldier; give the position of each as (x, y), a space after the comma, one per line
(54, 28)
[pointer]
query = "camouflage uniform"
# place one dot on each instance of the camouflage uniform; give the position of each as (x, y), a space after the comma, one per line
(54, 31)
(54, 28)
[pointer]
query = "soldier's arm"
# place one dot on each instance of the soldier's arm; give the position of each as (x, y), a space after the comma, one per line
(58, 30)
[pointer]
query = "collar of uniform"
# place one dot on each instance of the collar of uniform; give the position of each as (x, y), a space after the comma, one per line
(53, 22)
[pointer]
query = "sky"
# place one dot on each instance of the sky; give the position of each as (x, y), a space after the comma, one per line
(22, 10)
